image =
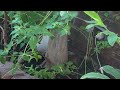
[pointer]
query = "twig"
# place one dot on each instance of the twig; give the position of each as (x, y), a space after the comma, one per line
(68, 77)
(1, 28)
(98, 58)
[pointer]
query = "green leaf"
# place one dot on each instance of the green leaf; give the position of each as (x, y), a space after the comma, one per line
(91, 22)
(26, 58)
(90, 26)
(2, 59)
(12, 59)
(94, 75)
(65, 30)
(62, 13)
(118, 70)
(112, 38)
(1, 13)
(106, 32)
(1, 52)
(15, 31)
(95, 16)
(112, 71)
(20, 39)
(106, 14)
(33, 42)
(73, 13)
(9, 46)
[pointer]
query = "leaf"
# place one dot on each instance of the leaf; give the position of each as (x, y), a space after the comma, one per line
(14, 36)
(95, 16)
(106, 32)
(1, 13)
(93, 21)
(73, 13)
(112, 38)
(26, 58)
(118, 70)
(33, 42)
(10, 45)
(62, 13)
(20, 39)
(12, 59)
(118, 40)
(14, 31)
(94, 75)
(90, 26)
(2, 59)
(106, 14)
(65, 30)
(112, 71)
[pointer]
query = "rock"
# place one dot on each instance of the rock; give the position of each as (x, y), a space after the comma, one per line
(42, 47)
(5, 72)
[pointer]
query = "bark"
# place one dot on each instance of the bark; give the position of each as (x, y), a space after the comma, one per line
(5, 37)
(57, 50)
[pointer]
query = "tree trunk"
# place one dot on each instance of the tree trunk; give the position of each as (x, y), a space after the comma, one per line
(57, 50)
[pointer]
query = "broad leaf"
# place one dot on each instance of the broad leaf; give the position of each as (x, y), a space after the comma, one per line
(62, 13)
(94, 75)
(73, 13)
(112, 38)
(91, 22)
(2, 59)
(33, 42)
(65, 30)
(90, 26)
(112, 71)
(95, 16)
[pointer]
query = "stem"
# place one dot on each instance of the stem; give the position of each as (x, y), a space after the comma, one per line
(47, 15)
(26, 47)
(5, 37)
(98, 58)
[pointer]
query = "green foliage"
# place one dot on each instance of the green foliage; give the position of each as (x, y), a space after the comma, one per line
(28, 29)
(112, 37)
(33, 42)
(112, 71)
(61, 69)
(30, 26)
(108, 69)
(106, 14)
(2, 59)
(94, 75)
(96, 17)
(101, 45)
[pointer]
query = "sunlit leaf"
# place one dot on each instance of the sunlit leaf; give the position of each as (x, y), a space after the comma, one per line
(90, 26)
(112, 71)
(33, 42)
(112, 39)
(62, 13)
(95, 16)
(94, 75)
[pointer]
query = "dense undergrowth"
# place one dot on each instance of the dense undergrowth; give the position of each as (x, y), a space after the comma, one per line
(20, 31)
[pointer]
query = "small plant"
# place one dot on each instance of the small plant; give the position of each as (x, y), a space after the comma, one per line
(62, 69)
(101, 45)
(112, 38)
